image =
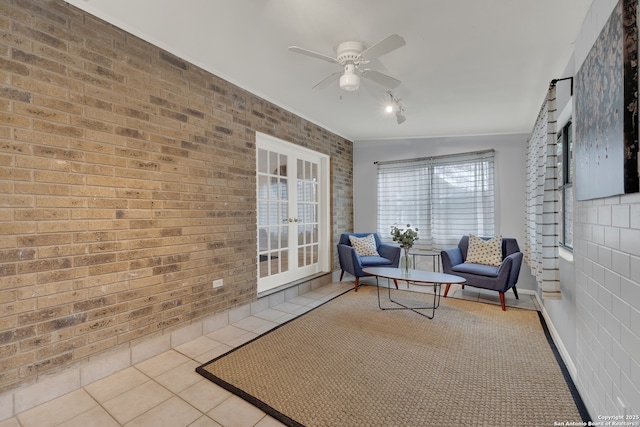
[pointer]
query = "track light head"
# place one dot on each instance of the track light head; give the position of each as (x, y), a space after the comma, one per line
(394, 106)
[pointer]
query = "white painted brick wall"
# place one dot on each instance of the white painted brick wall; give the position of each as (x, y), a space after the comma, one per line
(607, 271)
(607, 253)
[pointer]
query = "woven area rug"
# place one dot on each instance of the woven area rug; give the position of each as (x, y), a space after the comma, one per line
(348, 363)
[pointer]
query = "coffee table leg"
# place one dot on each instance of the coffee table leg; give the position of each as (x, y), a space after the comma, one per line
(378, 289)
(436, 302)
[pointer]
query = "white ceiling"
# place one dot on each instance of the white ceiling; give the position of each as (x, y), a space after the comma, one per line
(469, 66)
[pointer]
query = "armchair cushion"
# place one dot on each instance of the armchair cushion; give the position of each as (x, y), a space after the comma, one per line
(364, 246)
(477, 269)
(487, 252)
(374, 261)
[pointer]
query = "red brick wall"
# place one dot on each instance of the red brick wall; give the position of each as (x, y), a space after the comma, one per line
(127, 184)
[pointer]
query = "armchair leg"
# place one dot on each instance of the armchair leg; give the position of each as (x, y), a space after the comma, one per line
(396, 283)
(515, 292)
(446, 289)
(341, 274)
(357, 278)
(504, 308)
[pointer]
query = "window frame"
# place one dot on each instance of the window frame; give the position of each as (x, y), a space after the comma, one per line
(565, 184)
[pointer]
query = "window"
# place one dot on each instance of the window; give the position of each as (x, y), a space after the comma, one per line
(444, 197)
(564, 153)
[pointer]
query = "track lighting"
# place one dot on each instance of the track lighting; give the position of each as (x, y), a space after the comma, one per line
(395, 107)
(392, 105)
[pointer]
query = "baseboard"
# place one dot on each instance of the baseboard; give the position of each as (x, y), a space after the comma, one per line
(571, 367)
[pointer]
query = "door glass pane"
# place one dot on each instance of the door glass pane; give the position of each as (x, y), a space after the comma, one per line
(263, 210)
(263, 266)
(282, 189)
(283, 165)
(300, 235)
(273, 163)
(273, 213)
(284, 262)
(284, 237)
(263, 162)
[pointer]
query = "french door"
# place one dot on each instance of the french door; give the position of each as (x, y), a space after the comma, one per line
(293, 214)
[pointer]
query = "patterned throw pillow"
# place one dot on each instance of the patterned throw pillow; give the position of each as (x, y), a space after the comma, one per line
(487, 252)
(364, 246)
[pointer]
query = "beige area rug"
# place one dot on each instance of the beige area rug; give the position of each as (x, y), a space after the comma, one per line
(348, 363)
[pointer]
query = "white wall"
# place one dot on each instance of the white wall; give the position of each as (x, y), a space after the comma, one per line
(510, 177)
(607, 282)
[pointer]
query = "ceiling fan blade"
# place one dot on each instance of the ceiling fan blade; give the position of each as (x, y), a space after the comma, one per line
(328, 80)
(383, 47)
(382, 79)
(312, 54)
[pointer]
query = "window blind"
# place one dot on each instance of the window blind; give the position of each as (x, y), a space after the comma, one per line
(445, 197)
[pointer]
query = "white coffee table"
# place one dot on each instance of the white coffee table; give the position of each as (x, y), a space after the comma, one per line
(414, 277)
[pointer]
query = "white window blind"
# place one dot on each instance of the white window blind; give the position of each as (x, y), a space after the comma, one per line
(445, 197)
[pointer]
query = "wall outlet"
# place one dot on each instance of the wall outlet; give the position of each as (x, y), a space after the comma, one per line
(218, 283)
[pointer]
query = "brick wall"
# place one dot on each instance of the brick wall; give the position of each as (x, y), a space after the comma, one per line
(127, 184)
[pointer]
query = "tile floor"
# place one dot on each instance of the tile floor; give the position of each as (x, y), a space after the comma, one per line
(166, 391)
(526, 301)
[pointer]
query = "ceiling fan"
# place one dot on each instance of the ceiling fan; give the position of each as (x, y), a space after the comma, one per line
(352, 55)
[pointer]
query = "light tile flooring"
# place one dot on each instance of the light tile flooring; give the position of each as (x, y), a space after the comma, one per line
(166, 391)
(525, 301)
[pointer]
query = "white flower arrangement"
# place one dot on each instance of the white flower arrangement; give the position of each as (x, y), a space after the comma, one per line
(404, 237)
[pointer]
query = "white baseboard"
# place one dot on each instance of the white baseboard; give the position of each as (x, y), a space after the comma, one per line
(571, 367)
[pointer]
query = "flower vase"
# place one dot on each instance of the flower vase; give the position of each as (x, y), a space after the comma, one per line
(405, 261)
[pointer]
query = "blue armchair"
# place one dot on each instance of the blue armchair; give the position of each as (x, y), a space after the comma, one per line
(499, 279)
(353, 264)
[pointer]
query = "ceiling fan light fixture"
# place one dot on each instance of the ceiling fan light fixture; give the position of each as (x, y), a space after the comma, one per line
(351, 55)
(349, 81)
